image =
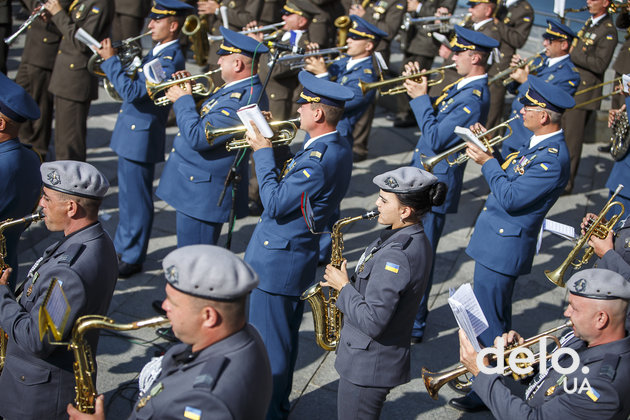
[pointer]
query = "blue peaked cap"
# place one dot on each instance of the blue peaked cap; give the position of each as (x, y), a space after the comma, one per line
(467, 39)
(546, 96)
(235, 43)
(362, 29)
(164, 8)
(316, 90)
(15, 102)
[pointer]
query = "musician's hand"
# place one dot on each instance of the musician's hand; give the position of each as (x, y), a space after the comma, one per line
(312, 46)
(510, 338)
(415, 88)
(478, 155)
(445, 52)
(612, 116)
(106, 51)
(251, 25)
(4, 279)
(315, 65)
(181, 74)
(601, 246)
(467, 353)
(516, 59)
(258, 36)
(207, 7)
(585, 221)
(520, 75)
(99, 411)
(177, 91)
(257, 141)
(45, 16)
(356, 9)
(267, 115)
(335, 277)
(53, 7)
(442, 11)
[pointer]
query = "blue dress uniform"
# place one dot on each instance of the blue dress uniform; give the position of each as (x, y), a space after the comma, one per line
(194, 175)
(138, 140)
(522, 190)
(19, 169)
(462, 104)
(607, 370)
(562, 74)
(37, 376)
(282, 250)
(619, 174)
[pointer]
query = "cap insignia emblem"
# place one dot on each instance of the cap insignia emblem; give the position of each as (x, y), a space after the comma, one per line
(172, 274)
(53, 178)
(391, 182)
(580, 285)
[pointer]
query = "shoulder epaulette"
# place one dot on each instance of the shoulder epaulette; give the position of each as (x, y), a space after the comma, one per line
(367, 71)
(477, 93)
(318, 150)
(608, 368)
(236, 95)
(70, 254)
(211, 371)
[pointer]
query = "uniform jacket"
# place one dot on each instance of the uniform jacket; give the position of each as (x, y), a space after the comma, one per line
(608, 376)
(418, 41)
(239, 12)
(491, 29)
(620, 172)
(282, 250)
(460, 107)
(271, 12)
(36, 371)
(517, 204)
(5, 12)
(322, 29)
(135, 8)
(592, 51)
(140, 129)
(514, 25)
(618, 259)
(379, 308)
(230, 380)
(70, 78)
(19, 191)
(622, 63)
(193, 177)
(354, 108)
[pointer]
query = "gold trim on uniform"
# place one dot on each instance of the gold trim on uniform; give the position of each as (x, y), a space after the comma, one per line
(310, 98)
(163, 12)
(230, 49)
(538, 103)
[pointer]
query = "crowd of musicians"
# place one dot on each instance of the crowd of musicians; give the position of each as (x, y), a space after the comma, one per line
(236, 321)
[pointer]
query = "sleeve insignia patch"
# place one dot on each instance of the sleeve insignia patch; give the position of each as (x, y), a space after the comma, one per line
(571, 83)
(192, 413)
(467, 110)
(527, 19)
(168, 57)
(399, 6)
(236, 95)
(316, 154)
(542, 165)
(225, 112)
(306, 173)
(609, 37)
(392, 267)
(593, 394)
(96, 10)
(477, 93)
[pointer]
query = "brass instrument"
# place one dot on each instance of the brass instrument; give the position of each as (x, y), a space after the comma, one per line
(599, 98)
(572, 10)
(284, 133)
(196, 29)
(429, 162)
(342, 23)
(523, 63)
(620, 140)
(408, 21)
(397, 81)
(265, 28)
(598, 227)
(35, 217)
(27, 23)
(84, 366)
(300, 61)
(433, 381)
(155, 90)
(326, 316)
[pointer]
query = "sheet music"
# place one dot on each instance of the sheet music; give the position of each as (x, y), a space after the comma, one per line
(87, 39)
(468, 313)
(467, 135)
(154, 72)
(250, 113)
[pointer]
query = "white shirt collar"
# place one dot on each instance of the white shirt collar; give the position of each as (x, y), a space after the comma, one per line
(478, 25)
(509, 3)
(160, 47)
(536, 140)
(556, 60)
(312, 139)
(419, 7)
(287, 35)
(595, 21)
(353, 62)
(235, 82)
(467, 80)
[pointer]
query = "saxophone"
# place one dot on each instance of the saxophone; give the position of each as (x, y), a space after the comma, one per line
(327, 317)
(84, 366)
(35, 217)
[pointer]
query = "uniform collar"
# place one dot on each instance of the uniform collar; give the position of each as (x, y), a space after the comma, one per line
(595, 21)
(310, 141)
(353, 63)
(593, 354)
(8, 145)
(467, 80)
(536, 140)
(477, 26)
(556, 60)
(161, 47)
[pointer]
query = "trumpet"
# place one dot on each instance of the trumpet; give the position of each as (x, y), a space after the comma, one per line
(155, 90)
(429, 162)
(397, 81)
(598, 227)
(523, 63)
(283, 134)
(27, 23)
(265, 28)
(300, 61)
(433, 381)
(408, 20)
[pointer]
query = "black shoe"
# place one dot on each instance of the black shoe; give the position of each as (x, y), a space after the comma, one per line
(416, 340)
(391, 116)
(603, 148)
(127, 270)
(468, 404)
(255, 208)
(157, 307)
(404, 123)
(457, 387)
(167, 334)
(358, 158)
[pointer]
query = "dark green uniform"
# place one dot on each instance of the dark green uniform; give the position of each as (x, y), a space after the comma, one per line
(622, 63)
(129, 18)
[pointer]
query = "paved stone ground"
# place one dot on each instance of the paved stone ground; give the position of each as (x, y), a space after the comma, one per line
(538, 304)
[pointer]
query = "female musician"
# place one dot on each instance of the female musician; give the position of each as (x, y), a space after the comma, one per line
(380, 303)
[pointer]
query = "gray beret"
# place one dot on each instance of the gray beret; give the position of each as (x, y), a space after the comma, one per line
(599, 283)
(404, 180)
(209, 272)
(74, 178)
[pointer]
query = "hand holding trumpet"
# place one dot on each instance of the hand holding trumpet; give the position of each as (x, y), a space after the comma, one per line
(473, 151)
(177, 91)
(600, 246)
(468, 355)
(415, 88)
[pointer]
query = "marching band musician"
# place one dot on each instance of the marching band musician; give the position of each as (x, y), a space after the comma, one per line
(462, 103)
(129, 18)
(36, 371)
(622, 62)
(522, 190)
(598, 300)
(282, 250)
(19, 166)
(621, 168)
(614, 250)
(71, 83)
(591, 53)
(322, 29)
(554, 67)
(380, 304)
(194, 174)
(140, 132)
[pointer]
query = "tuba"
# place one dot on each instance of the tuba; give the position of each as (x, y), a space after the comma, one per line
(327, 317)
(598, 227)
(620, 139)
(84, 366)
(196, 29)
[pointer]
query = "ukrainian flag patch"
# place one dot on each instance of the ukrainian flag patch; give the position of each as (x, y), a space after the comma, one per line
(306, 174)
(96, 10)
(225, 112)
(192, 413)
(467, 110)
(609, 37)
(392, 267)
(592, 394)
(542, 165)
(571, 83)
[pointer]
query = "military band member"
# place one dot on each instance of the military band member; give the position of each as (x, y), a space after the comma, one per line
(5, 31)
(129, 18)
(84, 262)
(614, 250)
(19, 167)
(193, 177)
(71, 83)
(598, 300)
(554, 66)
(282, 250)
(322, 29)
(621, 168)
(140, 131)
(462, 103)
(380, 300)
(591, 53)
(622, 62)
(221, 369)
(522, 190)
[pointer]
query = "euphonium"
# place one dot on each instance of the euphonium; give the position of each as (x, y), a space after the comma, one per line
(84, 366)
(284, 133)
(397, 81)
(326, 316)
(35, 217)
(433, 381)
(196, 29)
(155, 90)
(598, 227)
(620, 140)
(429, 162)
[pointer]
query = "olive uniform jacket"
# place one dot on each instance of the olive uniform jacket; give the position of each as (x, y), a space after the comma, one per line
(418, 41)
(514, 25)
(135, 8)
